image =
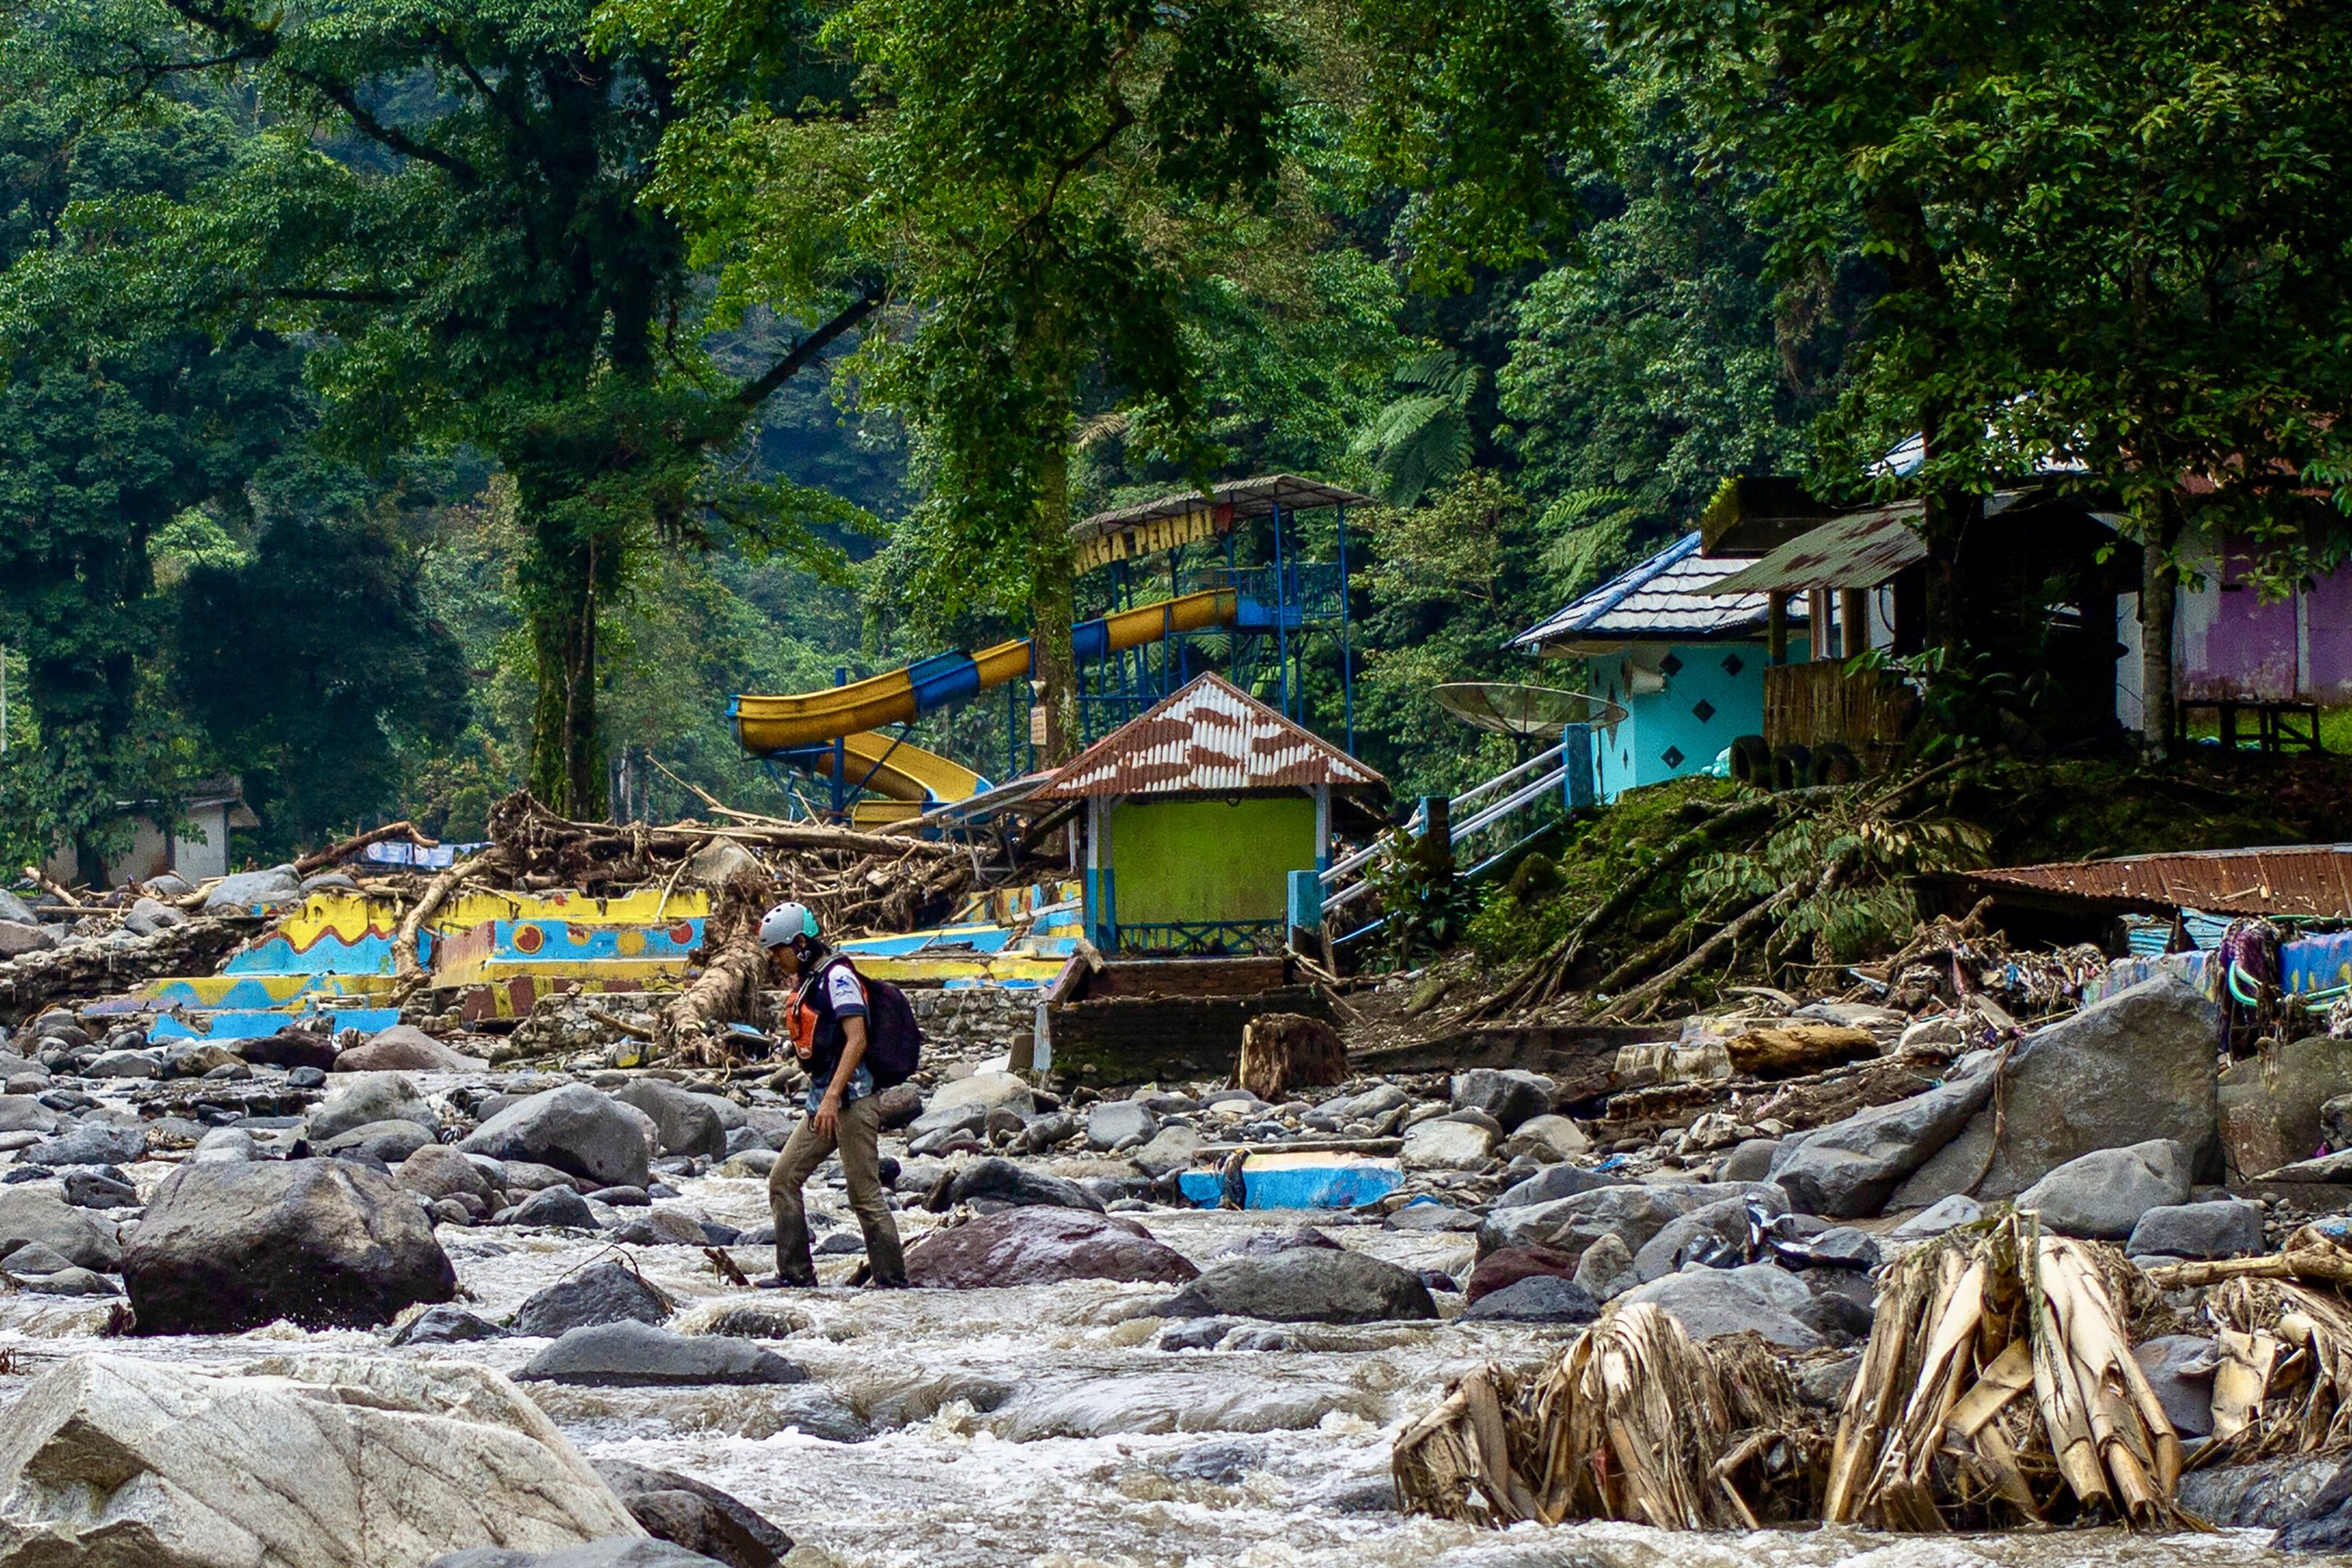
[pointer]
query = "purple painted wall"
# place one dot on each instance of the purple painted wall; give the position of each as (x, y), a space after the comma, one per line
(2229, 642)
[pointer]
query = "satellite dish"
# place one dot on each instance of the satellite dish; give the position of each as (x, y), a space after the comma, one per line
(1524, 712)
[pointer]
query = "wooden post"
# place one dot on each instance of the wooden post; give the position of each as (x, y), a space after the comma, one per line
(1854, 618)
(1776, 627)
(1817, 624)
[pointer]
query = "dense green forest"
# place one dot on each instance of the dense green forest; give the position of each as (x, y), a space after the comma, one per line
(402, 403)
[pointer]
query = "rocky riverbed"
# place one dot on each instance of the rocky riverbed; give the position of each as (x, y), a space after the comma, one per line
(1180, 1412)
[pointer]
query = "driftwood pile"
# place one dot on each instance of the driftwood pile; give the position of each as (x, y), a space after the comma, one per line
(1997, 1390)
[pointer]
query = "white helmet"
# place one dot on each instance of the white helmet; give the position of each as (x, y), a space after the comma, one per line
(785, 924)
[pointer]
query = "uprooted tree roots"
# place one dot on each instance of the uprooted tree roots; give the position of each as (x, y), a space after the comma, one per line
(1997, 1390)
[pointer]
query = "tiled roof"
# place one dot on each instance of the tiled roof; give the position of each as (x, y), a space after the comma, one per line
(1665, 597)
(1211, 738)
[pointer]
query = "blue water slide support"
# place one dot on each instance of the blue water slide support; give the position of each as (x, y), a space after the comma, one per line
(1347, 640)
(840, 755)
(1281, 614)
(895, 741)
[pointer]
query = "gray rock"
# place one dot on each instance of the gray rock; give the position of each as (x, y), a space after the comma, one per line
(627, 1353)
(149, 915)
(437, 1171)
(1562, 1180)
(2260, 1494)
(224, 1248)
(1509, 1095)
(1751, 1161)
(30, 1215)
(37, 1258)
(1849, 1169)
(1718, 1228)
(1546, 1138)
(1005, 1182)
(91, 1143)
(1042, 1246)
(1447, 1144)
(2181, 1368)
(1304, 1284)
(574, 1129)
(1170, 1149)
(619, 1551)
(98, 1187)
(1426, 1216)
(1631, 1213)
(402, 1047)
(2138, 1066)
(663, 1228)
(2226, 1227)
(1537, 1298)
(20, 937)
(15, 910)
(966, 1102)
(1711, 1302)
(447, 1325)
(695, 1515)
(367, 1098)
(686, 1124)
(2103, 1194)
(1606, 1270)
(898, 1105)
(555, 1208)
(70, 1282)
(253, 892)
(1368, 1105)
(1944, 1213)
(603, 1292)
(2270, 1107)
(1118, 1124)
(390, 1142)
(23, 1113)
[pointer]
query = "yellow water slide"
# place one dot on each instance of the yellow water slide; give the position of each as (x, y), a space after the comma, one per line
(806, 721)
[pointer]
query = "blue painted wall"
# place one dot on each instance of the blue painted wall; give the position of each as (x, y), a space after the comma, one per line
(1714, 692)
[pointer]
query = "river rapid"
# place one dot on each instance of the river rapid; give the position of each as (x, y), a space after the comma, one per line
(1037, 1426)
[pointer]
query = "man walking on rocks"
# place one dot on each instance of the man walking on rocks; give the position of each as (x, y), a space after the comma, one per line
(828, 1021)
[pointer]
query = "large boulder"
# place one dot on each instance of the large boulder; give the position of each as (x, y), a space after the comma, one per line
(23, 1113)
(574, 1129)
(290, 1047)
(1445, 1144)
(1759, 1297)
(366, 1098)
(602, 1292)
(1500, 1271)
(1173, 1148)
(388, 1142)
(626, 1354)
(1562, 1180)
(228, 1247)
(403, 1048)
(1848, 1169)
(2179, 1370)
(2136, 1066)
(341, 1462)
(1606, 1270)
(695, 1515)
(30, 1216)
(1304, 1284)
(1546, 1138)
(2225, 1228)
(2105, 1193)
(621, 1551)
(253, 892)
(1117, 1124)
(91, 1143)
(1001, 1181)
(1508, 1094)
(1042, 1247)
(1702, 1235)
(1631, 1213)
(437, 1170)
(966, 1102)
(686, 1124)
(1537, 1298)
(2270, 1109)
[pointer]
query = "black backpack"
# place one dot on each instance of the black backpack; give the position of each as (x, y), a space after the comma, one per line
(894, 1041)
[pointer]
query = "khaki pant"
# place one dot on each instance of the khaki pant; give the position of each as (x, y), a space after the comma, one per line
(861, 1162)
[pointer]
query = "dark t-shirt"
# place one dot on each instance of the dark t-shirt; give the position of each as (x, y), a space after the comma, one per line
(832, 993)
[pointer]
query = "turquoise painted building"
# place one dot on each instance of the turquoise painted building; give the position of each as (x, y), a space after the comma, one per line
(1686, 665)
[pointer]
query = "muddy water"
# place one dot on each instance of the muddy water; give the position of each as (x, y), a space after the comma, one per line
(1035, 1427)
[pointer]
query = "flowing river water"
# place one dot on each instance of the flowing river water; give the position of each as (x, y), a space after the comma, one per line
(1037, 1426)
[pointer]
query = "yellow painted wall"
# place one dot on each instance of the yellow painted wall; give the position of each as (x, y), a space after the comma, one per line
(1208, 859)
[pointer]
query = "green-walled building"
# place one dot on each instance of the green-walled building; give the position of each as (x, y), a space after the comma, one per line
(1196, 814)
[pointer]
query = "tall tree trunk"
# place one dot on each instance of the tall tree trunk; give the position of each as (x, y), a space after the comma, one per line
(2160, 586)
(1051, 593)
(567, 754)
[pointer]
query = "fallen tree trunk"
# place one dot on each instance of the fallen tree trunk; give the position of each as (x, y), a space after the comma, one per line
(403, 831)
(437, 892)
(728, 988)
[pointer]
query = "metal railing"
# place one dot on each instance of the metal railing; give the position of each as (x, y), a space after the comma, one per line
(1550, 781)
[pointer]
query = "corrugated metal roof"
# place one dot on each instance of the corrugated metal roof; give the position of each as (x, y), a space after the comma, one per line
(1860, 549)
(1234, 499)
(1670, 595)
(2291, 879)
(1211, 738)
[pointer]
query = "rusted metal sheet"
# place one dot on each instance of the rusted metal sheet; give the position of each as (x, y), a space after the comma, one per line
(2293, 879)
(1860, 549)
(1211, 738)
